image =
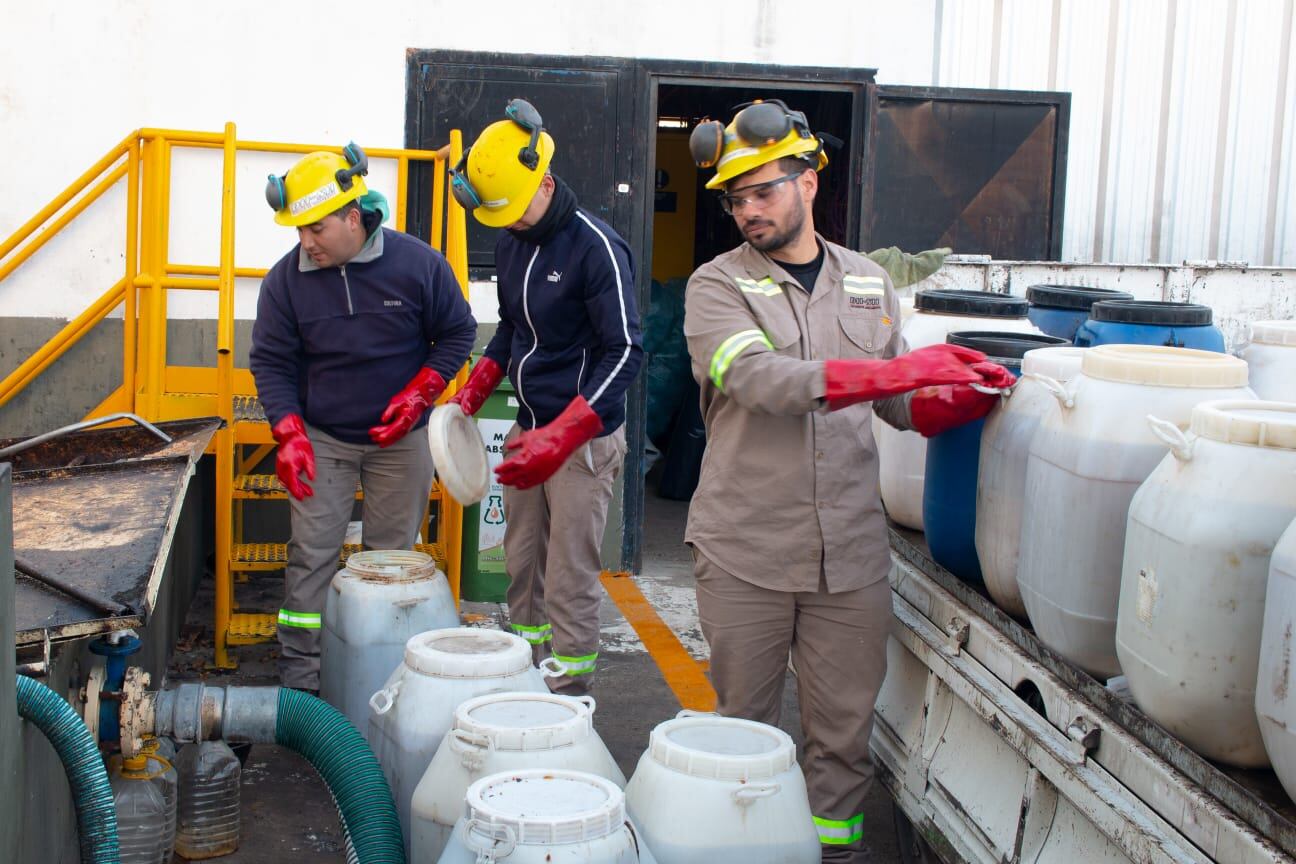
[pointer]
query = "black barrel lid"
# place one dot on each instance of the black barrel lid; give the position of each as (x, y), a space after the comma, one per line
(978, 304)
(1079, 297)
(1154, 312)
(1002, 346)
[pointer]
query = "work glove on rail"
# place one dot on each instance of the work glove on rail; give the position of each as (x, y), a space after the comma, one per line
(539, 453)
(481, 383)
(294, 457)
(407, 406)
(933, 410)
(848, 382)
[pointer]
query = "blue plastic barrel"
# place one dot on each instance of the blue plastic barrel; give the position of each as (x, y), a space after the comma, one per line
(950, 489)
(1059, 310)
(1146, 322)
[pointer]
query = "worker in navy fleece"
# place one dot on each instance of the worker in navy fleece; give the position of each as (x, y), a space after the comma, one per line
(569, 340)
(358, 330)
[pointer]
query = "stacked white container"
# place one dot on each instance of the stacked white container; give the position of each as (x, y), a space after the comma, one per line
(544, 817)
(374, 605)
(1001, 475)
(415, 709)
(1275, 700)
(902, 456)
(719, 790)
(1197, 550)
(1086, 462)
(1271, 357)
(503, 732)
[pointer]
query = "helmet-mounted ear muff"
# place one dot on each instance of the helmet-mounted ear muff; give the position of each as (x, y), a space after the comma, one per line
(706, 142)
(357, 165)
(525, 115)
(761, 123)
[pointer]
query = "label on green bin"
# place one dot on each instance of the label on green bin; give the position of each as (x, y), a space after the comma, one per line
(490, 528)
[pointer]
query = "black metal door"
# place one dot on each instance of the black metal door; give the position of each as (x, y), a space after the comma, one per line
(980, 171)
(584, 101)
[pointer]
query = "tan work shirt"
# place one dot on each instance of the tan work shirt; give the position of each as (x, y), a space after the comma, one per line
(788, 492)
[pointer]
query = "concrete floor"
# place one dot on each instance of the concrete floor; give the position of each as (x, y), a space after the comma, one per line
(287, 813)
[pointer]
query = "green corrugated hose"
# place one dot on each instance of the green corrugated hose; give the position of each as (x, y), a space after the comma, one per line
(91, 793)
(319, 732)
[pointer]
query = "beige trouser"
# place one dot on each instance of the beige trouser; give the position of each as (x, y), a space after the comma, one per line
(552, 545)
(838, 645)
(396, 482)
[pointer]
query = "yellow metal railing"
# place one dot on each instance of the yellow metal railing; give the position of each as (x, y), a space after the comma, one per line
(152, 388)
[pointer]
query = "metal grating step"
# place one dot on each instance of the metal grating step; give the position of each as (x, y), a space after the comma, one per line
(249, 628)
(247, 409)
(266, 487)
(274, 556)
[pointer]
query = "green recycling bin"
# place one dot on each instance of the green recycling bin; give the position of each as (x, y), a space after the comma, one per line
(482, 576)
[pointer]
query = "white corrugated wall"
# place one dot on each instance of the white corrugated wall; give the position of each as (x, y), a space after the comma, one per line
(1181, 140)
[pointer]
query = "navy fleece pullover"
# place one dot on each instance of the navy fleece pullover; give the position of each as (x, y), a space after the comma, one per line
(336, 344)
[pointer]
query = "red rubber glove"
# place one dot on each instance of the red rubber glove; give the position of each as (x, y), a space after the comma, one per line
(934, 410)
(481, 383)
(407, 406)
(294, 456)
(851, 381)
(539, 453)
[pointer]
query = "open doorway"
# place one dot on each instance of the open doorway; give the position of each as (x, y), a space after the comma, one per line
(688, 229)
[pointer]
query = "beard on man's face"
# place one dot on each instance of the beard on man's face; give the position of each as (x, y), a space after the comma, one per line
(764, 235)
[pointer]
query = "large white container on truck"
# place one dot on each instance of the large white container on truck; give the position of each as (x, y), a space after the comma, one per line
(719, 790)
(1001, 475)
(499, 733)
(902, 456)
(416, 707)
(1275, 700)
(1271, 358)
(374, 605)
(1086, 462)
(545, 817)
(1197, 549)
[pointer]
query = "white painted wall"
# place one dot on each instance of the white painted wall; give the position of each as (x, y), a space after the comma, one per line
(1181, 141)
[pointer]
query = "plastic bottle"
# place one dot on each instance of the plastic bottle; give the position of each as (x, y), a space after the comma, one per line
(141, 808)
(168, 780)
(207, 815)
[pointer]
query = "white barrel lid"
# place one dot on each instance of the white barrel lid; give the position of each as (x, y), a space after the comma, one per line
(389, 565)
(527, 721)
(543, 807)
(722, 748)
(1160, 366)
(467, 652)
(1243, 421)
(1274, 332)
(459, 454)
(1061, 362)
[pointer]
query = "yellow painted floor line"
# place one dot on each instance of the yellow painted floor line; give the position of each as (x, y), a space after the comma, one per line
(685, 676)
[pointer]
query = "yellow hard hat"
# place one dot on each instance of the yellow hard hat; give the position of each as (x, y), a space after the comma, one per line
(317, 185)
(761, 132)
(500, 173)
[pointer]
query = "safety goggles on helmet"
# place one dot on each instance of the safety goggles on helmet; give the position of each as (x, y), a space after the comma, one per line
(318, 184)
(524, 114)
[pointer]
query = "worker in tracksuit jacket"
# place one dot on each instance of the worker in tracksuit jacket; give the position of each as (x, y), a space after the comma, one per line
(569, 340)
(352, 315)
(795, 341)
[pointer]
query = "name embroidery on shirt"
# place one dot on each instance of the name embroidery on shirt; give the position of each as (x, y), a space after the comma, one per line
(392, 303)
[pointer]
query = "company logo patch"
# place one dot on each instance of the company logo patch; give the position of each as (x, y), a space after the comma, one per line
(319, 196)
(391, 302)
(555, 276)
(865, 302)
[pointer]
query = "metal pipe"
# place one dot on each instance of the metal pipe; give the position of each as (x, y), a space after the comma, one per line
(90, 598)
(77, 427)
(180, 282)
(196, 712)
(129, 321)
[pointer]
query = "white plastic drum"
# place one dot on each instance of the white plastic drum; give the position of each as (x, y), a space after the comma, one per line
(415, 709)
(1271, 357)
(1275, 700)
(500, 733)
(374, 605)
(1086, 462)
(718, 790)
(1196, 567)
(1001, 476)
(902, 456)
(544, 817)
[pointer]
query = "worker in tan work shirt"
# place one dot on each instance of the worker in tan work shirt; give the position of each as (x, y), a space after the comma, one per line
(795, 341)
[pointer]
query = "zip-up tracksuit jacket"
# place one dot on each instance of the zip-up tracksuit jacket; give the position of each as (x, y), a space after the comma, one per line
(569, 326)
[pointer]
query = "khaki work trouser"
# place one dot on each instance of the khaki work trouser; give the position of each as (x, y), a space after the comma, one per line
(552, 552)
(838, 645)
(396, 482)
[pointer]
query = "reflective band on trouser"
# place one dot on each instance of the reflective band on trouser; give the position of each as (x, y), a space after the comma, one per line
(730, 349)
(305, 620)
(840, 832)
(534, 635)
(574, 666)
